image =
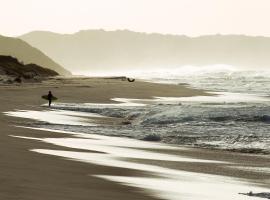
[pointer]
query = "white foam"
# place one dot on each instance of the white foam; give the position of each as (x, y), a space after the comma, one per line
(120, 147)
(225, 97)
(56, 116)
(218, 97)
(116, 141)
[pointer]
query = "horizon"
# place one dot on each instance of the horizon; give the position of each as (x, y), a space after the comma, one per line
(176, 17)
(133, 31)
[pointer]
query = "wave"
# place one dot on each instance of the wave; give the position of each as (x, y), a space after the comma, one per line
(243, 128)
(216, 78)
(163, 114)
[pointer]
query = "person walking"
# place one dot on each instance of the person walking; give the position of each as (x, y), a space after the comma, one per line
(50, 96)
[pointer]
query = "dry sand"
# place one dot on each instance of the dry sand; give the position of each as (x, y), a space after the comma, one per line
(26, 175)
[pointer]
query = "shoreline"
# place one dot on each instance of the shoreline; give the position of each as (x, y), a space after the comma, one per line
(25, 170)
(143, 161)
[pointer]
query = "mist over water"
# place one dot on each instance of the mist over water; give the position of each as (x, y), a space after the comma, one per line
(220, 78)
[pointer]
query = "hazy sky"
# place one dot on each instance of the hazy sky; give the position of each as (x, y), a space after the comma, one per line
(189, 17)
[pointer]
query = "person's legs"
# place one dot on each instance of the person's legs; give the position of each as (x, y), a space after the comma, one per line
(50, 101)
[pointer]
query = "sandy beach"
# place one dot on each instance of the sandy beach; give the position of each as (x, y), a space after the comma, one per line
(39, 174)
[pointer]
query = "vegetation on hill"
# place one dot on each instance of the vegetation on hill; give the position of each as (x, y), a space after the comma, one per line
(11, 67)
(24, 52)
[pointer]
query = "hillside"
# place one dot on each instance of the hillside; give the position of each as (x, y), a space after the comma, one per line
(11, 67)
(107, 50)
(28, 54)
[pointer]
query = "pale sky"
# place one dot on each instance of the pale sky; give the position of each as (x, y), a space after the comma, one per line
(184, 17)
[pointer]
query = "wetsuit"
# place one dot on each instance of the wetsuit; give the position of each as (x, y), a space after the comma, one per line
(50, 98)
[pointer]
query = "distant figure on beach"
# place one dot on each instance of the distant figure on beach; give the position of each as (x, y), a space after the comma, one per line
(131, 79)
(50, 96)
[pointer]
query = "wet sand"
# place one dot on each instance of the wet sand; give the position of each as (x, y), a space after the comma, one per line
(30, 175)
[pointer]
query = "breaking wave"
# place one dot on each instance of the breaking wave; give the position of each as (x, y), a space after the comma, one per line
(223, 123)
(243, 127)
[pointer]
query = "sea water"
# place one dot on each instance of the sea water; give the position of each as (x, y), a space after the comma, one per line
(237, 118)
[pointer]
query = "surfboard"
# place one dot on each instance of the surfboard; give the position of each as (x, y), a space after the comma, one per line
(46, 97)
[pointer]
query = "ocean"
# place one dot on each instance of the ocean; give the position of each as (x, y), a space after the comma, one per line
(142, 135)
(237, 118)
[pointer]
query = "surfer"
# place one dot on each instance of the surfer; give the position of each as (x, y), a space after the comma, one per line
(50, 98)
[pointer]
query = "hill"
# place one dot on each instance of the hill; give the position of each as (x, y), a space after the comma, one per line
(24, 52)
(110, 50)
(11, 67)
